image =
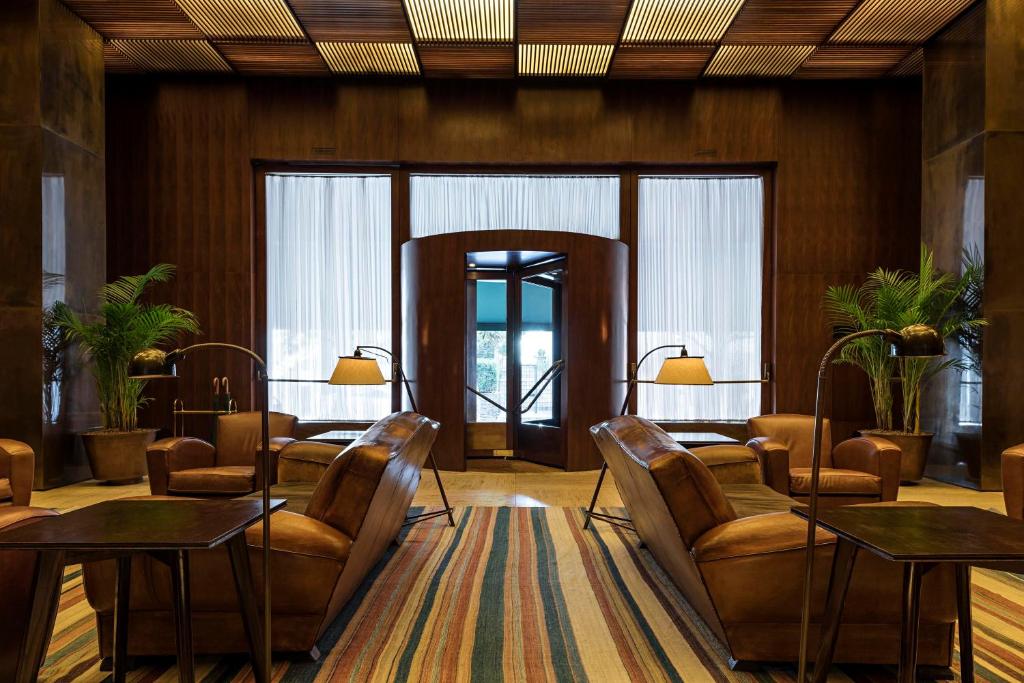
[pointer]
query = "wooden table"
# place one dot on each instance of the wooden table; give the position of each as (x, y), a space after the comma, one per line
(698, 439)
(167, 530)
(340, 437)
(920, 538)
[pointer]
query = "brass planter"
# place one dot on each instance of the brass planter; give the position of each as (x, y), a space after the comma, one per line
(915, 449)
(118, 457)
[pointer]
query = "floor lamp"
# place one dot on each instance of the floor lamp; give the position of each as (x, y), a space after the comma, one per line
(156, 364)
(913, 341)
(359, 369)
(683, 369)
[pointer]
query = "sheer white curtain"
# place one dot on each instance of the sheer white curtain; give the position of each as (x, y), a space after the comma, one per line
(458, 203)
(328, 289)
(700, 248)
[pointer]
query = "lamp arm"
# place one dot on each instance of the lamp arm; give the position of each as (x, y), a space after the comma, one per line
(822, 389)
(636, 370)
(260, 363)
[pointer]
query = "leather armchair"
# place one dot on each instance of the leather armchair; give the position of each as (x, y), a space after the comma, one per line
(17, 469)
(187, 466)
(1013, 481)
(318, 558)
(743, 574)
(864, 469)
(306, 461)
(18, 568)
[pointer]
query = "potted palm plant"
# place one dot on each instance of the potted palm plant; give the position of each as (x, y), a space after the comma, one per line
(123, 327)
(895, 299)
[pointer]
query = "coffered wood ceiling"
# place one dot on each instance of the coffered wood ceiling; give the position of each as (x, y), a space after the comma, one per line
(675, 39)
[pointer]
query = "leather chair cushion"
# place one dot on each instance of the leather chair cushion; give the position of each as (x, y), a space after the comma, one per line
(301, 535)
(731, 464)
(835, 482)
(17, 514)
(312, 451)
(226, 480)
(6, 492)
(756, 499)
(758, 535)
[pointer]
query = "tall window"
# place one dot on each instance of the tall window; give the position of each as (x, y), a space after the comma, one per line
(700, 252)
(458, 203)
(328, 288)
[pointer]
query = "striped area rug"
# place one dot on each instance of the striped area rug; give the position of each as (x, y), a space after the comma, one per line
(524, 594)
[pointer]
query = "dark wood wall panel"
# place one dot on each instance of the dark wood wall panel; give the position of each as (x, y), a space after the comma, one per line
(846, 157)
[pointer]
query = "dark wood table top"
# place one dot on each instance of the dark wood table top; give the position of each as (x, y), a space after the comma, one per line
(928, 533)
(297, 493)
(342, 437)
(702, 438)
(140, 524)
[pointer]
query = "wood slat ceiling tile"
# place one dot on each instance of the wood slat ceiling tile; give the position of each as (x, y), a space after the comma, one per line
(570, 21)
(243, 19)
(172, 55)
(462, 21)
(660, 61)
(758, 60)
(135, 18)
(564, 60)
(116, 62)
(468, 61)
(370, 58)
(836, 61)
(792, 22)
(692, 22)
(897, 22)
(260, 59)
(353, 21)
(912, 65)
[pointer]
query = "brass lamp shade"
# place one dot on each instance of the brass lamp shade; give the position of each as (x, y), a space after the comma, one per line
(684, 370)
(918, 341)
(152, 364)
(356, 370)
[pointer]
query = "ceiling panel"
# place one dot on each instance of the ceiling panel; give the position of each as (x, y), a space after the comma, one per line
(757, 60)
(468, 61)
(462, 21)
(698, 22)
(353, 21)
(793, 22)
(370, 58)
(660, 61)
(572, 21)
(564, 60)
(243, 19)
(172, 55)
(839, 61)
(883, 22)
(912, 65)
(135, 18)
(117, 62)
(261, 59)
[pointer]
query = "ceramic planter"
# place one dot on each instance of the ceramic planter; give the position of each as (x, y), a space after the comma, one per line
(118, 457)
(915, 449)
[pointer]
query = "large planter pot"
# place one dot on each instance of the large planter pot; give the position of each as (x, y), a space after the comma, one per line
(915, 449)
(117, 457)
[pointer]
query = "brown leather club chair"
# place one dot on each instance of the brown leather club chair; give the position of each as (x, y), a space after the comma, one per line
(1013, 481)
(17, 569)
(743, 575)
(187, 466)
(318, 558)
(17, 468)
(864, 469)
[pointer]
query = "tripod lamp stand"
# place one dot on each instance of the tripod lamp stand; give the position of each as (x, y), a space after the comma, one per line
(681, 370)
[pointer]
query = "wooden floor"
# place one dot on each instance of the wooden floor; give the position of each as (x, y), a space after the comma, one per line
(514, 483)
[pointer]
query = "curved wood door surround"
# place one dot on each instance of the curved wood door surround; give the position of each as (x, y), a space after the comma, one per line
(434, 330)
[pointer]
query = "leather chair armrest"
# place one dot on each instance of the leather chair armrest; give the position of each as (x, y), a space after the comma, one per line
(173, 455)
(774, 458)
(21, 464)
(1013, 481)
(873, 455)
(758, 535)
(317, 452)
(277, 444)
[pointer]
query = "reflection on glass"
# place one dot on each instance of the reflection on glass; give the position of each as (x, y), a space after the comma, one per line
(970, 344)
(536, 348)
(54, 269)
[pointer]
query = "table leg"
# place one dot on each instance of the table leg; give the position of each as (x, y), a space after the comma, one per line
(838, 584)
(242, 571)
(45, 599)
(911, 613)
(963, 609)
(183, 615)
(122, 593)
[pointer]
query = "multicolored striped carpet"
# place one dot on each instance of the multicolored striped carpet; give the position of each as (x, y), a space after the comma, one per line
(524, 594)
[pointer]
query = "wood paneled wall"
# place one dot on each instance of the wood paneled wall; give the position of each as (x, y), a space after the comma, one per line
(846, 155)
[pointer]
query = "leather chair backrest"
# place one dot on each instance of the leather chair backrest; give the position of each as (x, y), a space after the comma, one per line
(343, 495)
(796, 432)
(239, 435)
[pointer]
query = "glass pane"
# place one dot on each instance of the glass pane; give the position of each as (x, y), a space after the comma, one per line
(491, 349)
(970, 353)
(536, 349)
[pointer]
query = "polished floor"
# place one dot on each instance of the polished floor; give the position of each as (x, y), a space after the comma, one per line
(512, 483)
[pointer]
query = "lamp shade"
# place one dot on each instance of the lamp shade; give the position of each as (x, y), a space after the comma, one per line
(152, 364)
(918, 341)
(356, 370)
(684, 370)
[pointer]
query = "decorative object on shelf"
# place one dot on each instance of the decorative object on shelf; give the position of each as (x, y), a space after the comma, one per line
(360, 369)
(683, 369)
(894, 299)
(918, 342)
(124, 327)
(152, 363)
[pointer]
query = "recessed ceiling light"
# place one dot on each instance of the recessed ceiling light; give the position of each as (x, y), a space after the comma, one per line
(461, 21)
(757, 60)
(692, 22)
(172, 55)
(241, 19)
(564, 60)
(897, 21)
(370, 58)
